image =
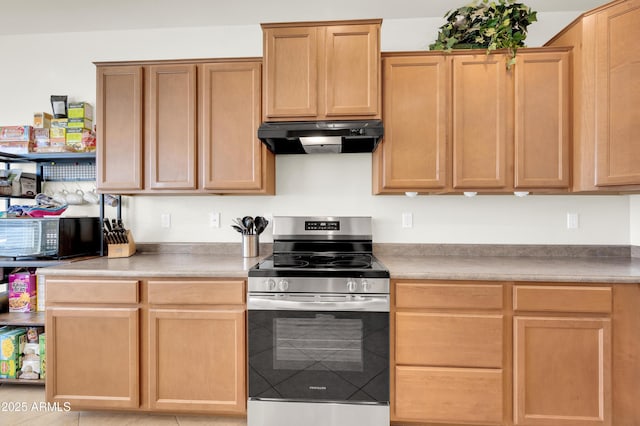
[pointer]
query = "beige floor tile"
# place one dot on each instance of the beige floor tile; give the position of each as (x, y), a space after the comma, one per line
(210, 421)
(105, 418)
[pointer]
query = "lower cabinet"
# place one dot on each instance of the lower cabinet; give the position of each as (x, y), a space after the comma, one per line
(92, 357)
(170, 345)
(562, 364)
(448, 353)
(93, 343)
(525, 354)
(196, 351)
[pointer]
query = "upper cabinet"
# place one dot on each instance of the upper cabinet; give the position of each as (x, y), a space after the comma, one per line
(119, 121)
(606, 91)
(464, 122)
(192, 129)
(322, 70)
(414, 153)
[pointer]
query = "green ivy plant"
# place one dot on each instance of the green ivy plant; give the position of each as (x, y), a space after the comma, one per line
(486, 24)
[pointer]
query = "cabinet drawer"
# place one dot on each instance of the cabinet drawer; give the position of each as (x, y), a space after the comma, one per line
(450, 395)
(91, 291)
(562, 299)
(449, 339)
(448, 296)
(196, 292)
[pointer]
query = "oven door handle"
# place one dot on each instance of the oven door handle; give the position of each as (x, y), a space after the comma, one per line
(377, 303)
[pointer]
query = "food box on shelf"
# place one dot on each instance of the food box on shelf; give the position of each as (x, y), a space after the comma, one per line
(17, 147)
(80, 110)
(28, 185)
(33, 334)
(59, 122)
(57, 136)
(41, 137)
(30, 369)
(43, 354)
(16, 133)
(42, 120)
(81, 123)
(81, 139)
(22, 292)
(11, 347)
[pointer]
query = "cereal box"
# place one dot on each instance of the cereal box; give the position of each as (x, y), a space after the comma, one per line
(22, 292)
(11, 346)
(60, 123)
(43, 352)
(80, 110)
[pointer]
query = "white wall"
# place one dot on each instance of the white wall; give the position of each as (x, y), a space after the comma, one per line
(321, 184)
(634, 220)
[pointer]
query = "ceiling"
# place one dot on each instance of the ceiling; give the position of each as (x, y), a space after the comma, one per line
(47, 16)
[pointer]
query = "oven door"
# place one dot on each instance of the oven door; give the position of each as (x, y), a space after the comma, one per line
(319, 348)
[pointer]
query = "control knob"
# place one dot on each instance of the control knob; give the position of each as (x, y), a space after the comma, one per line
(366, 286)
(352, 285)
(283, 285)
(270, 284)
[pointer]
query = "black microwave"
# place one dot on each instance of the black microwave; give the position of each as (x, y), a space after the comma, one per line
(49, 237)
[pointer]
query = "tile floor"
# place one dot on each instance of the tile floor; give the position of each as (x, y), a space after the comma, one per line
(14, 397)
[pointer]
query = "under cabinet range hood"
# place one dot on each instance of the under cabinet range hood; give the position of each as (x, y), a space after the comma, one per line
(315, 137)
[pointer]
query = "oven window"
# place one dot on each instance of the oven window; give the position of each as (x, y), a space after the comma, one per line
(315, 343)
(318, 355)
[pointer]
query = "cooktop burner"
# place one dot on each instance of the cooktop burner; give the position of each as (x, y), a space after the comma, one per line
(342, 261)
(338, 265)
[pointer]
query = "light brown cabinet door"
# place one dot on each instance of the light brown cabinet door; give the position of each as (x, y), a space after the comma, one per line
(352, 70)
(291, 72)
(617, 95)
(92, 357)
(449, 395)
(170, 136)
(119, 128)
(482, 122)
(562, 371)
(197, 360)
(231, 156)
(542, 120)
(413, 155)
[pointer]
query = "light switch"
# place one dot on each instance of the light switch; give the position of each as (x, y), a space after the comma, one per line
(165, 220)
(214, 219)
(407, 220)
(572, 221)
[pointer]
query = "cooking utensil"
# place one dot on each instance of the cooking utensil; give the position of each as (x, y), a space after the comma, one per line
(239, 229)
(260, 224)
(247, 221)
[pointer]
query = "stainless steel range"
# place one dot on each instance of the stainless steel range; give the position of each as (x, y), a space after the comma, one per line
(318, 327)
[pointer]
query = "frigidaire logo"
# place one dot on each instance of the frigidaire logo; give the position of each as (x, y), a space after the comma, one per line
(318, 387)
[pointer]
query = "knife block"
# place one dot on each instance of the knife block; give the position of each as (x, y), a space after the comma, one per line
(122, 250)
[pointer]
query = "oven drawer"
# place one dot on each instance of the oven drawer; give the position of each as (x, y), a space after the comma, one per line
(91, 291)
(451, 395)
(559, 298)
(427, 295)
(185, 292)
(461, 340)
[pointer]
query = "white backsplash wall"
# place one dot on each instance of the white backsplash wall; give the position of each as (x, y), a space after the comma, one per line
(334, 184)
(634, 220)
(321, 184)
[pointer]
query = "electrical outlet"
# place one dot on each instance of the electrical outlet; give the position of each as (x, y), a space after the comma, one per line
(407, 220)
(214, 219)
(165, 220)
(572, 221)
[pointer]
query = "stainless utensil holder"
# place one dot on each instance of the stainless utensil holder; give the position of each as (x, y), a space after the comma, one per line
(250, 245)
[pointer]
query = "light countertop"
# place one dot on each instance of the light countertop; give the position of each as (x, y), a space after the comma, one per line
(490, 268)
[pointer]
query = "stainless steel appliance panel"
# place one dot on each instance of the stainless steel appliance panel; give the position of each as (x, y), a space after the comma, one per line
(276, 413)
